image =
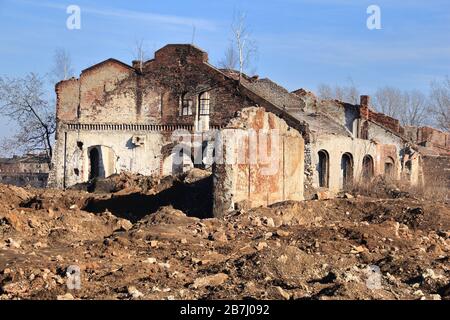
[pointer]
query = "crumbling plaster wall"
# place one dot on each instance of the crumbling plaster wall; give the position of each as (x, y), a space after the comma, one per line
(437, 172)
(67, 99)
(336, 146)
(386, 152)
(343, 113)
(403, 150)
(114, 93)
(107, 94)
(251, 183)
(384, 136)
(117, 153)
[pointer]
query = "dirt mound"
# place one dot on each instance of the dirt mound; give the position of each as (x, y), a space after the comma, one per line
(353, 248)
(190, 192)
(127, 182)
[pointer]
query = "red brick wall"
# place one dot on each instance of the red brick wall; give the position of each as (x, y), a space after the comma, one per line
(183, 69)
(112, 92)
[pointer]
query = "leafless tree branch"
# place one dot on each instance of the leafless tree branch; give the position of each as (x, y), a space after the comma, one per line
(23, 101)
(242, 50)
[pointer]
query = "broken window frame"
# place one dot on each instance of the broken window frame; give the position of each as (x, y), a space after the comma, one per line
(186, 105)
(204, 104)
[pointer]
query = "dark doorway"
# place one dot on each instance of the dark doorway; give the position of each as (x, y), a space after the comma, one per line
(408, 170)
(94, 159)
(195, 199)
(347, 170)
(368, 170)
(323, 169)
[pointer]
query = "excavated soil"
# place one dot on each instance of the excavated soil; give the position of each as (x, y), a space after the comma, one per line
(346, 248)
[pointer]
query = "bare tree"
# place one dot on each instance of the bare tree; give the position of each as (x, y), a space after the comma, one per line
(325, 92)
(194, 29)
(390, 101)
(24, 102)
(242, 46)
(348, 93)
(230, 60)
(62, 66)
(440, 103)
(414, 111)
(140, 53)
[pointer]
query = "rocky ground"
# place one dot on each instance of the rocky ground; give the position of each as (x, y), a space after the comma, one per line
(353, 247)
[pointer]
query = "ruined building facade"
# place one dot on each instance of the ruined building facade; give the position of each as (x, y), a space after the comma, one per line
(116, 117)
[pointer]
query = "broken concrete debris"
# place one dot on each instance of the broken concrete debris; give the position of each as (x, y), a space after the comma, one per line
(383, 249)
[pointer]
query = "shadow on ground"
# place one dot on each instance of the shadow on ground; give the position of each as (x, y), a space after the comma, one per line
(194, 199)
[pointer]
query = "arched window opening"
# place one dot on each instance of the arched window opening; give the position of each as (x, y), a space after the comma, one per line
(323, 169)
(346, 170)
(368, 168)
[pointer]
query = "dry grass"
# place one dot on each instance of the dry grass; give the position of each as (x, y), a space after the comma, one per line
(437, 189)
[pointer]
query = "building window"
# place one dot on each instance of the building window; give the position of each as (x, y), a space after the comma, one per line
(186, 105)
(368, 168)
(323, 169)
(204, 104)
(347, 170)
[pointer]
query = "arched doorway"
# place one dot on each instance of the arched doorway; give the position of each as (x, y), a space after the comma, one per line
(94, 163)
(389, 168)
(408, 169)
(368, 168)
(323, 169)
(346, 170)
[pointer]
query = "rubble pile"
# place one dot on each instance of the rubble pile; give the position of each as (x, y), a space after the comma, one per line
(342, 248)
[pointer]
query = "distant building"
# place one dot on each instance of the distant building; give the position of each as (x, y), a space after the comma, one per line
(29, 170)
(434, 145)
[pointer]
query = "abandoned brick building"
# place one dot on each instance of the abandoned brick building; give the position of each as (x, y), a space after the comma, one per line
(29, 170)
(116, 117)
(434, 145)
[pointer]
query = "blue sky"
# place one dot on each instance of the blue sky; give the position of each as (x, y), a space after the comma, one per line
(301, 43)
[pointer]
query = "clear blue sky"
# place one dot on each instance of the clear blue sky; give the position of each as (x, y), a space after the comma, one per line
(301, 43)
